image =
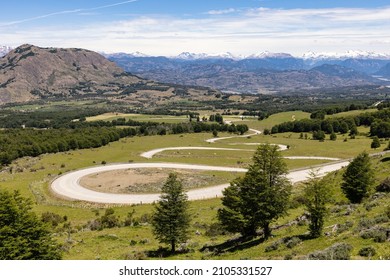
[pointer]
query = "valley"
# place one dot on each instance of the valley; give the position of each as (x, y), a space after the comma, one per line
(91, 146)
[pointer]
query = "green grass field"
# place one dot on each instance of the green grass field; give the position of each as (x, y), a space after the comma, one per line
(139, 117)
(32, 176)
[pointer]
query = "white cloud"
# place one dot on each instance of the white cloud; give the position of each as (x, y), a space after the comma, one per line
(240, 32)
(221, 12)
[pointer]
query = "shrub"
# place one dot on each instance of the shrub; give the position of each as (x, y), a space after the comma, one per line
(381, 219)
(384, 186)
(338, 251)
(367, 251)
(292, 242)
(379, 235)
(273, 247)
(52, 218)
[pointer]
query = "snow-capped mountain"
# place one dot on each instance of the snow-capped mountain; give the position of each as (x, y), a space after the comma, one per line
(268, 54)
(4, 50)
(197, 56)
(122, 54)
(351, 54)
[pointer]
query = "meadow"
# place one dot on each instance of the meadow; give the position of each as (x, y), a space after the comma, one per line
(32, 177)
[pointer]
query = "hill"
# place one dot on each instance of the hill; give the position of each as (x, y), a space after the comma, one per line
(29, 72)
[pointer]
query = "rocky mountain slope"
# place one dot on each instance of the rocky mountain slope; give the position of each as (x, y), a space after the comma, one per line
(29, 72)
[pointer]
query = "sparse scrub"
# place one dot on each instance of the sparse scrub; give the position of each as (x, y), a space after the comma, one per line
(338, 251)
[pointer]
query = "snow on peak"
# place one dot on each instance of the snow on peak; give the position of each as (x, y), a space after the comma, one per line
(357, 54)
(267, 54)
(4, 50)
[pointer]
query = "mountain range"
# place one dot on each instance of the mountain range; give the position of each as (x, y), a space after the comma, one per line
(30, 72)
(261, 73)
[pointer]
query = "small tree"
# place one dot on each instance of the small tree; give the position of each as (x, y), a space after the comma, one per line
(171, 219)
(215, 133)
(319, 135)
(23, 236)
(333, 136)
(375, 142)
(358, 178)
(317, 194)
(258, 198)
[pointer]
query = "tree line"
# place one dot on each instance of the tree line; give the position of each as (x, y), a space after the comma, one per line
(379, 123)
(18, 142)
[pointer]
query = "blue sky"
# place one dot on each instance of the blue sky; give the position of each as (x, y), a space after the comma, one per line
(170, 27)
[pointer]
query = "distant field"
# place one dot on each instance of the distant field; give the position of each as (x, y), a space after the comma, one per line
(270, 121)
(351, 113)
(139, 117)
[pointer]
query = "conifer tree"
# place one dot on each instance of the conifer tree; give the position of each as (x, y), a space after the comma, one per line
(23, 236)
(317, 194)
(260, 197)
(358, 178)
(171, 219)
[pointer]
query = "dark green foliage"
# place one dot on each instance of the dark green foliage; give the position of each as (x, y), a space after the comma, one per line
(23, 236)
(375, 142)
(379, 123)
(367, 251)
(338, 251)
(317, 194)
(109, 220)
(260, 197)
(320, 115)
(319, 135)
(358, 178)
(52, 218)
(171, 219)
(384, 186)
(333, 136)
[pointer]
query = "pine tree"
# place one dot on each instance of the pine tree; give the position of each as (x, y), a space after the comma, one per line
(358, 178)
(260, 197)
(317, 194)
(23, 236)
(171, 219)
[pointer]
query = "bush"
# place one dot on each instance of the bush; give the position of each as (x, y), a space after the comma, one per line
(379, 235)
(52, 218)
(367, 251)
(384, 186)
(338, 251)
(273, 247)
(292, 242)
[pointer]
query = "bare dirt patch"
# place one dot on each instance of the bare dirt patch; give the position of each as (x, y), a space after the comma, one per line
(146, 180)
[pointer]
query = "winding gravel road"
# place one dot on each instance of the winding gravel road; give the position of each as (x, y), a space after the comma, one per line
(68, 185)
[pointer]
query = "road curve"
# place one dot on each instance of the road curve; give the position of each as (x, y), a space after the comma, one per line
(68, 186)
(213, 140)
(151, 153)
